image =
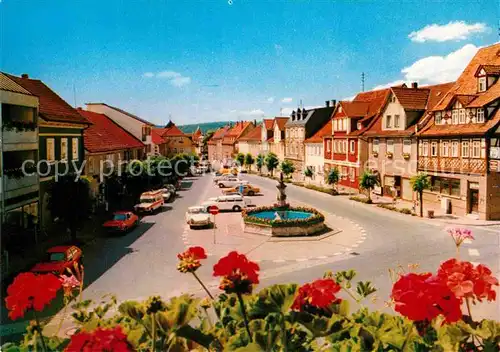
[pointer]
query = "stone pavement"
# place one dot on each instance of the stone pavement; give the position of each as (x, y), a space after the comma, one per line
(344, 237)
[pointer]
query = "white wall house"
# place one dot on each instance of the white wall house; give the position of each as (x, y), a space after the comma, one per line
(315, 162)
(138, 127)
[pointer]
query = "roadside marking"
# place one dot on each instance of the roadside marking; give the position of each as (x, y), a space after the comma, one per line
(347, 249)
(360, 241)
(473, 252)
(338, 253)
(355, 245)
(322, 257)
(301, 260)
(279, 260)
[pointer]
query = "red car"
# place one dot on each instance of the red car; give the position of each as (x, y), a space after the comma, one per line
(59, 259)
(122, 221)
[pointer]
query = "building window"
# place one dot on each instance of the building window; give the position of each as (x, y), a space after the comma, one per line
(344, 146)
(396, 121)
(50, 149)
(482, 84)
(425, 152)
(390, 146)
(328, 146)
(438, 118)
(74, 149)
(454, 116)
(64, 149)
(434, 149)
(444, 149)
(461, 116)
(388, 121)
(344, 172)
(352, 146)
(476, 149)
(465, 149)
(375, 145)
(480, 115)
(406, 146)
(352, 174)
(454, 149)
(443, 185)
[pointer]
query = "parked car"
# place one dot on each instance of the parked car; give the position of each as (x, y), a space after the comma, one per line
(172, 190)
(231, 182)
(233, 202)
(166, 194)
(122, 222)
(244, 189)
(198, 216)
(59, 260)
(150, 201)
(218, 176)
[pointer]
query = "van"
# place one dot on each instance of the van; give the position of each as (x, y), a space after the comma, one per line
(150, 201)
(231, 202)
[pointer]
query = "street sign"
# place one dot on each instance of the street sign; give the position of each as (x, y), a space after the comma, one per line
(213, 209)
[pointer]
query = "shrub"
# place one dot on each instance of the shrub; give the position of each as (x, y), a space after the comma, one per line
(316, 218)
(405, 211)
(361, 199)
(394, 208)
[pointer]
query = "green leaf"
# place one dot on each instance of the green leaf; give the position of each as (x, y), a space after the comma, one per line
(132, 309)
(195, 335)
(181, 310)
(252, 347)
(274, 299)
(136, 336)
(488, 329)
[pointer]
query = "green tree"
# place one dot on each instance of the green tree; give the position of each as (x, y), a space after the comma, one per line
(287, 167)
(240, 158)
(420, 183)
(260, 162)
(333, 177)
(271, 162)
(249, 161)
(368, 181)
(308, 172)
(70, 201)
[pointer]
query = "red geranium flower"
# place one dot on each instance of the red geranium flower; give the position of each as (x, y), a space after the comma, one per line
(238, 273)
(99, 340)
(190, 259)
(422, 297)
(467, 281)
(318, 294)
(30, 291)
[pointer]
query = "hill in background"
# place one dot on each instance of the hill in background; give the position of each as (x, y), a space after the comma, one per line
(206, 126)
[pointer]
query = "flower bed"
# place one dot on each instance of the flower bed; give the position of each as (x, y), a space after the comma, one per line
(394, 208)
(283, 317)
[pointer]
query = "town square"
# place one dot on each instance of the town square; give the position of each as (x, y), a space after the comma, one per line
(168, 185)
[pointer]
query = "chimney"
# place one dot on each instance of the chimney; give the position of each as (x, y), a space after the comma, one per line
(327, 103)
(333, 102)
(414, 85)
(25, 75)
(293, 115)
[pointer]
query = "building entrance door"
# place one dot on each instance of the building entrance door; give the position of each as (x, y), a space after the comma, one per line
(473, 200)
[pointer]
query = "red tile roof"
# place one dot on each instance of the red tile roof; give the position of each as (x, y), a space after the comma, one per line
(51, 106)
(105, 135)
(463, 129)
(411, 98)
(489, 69)
(156, 136)
(354, 108)
(125, 113)
(9, 85)
(324, 131)
(268, 123)
(281, 122)
(235, 132)
(172, 131)
(197, 133)
(253, 135)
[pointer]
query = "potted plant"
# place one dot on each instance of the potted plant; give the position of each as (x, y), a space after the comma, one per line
(389, 155)
(406, 156)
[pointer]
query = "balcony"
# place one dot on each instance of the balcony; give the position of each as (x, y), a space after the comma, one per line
(452, 165)
(13, 183)
(20, 140)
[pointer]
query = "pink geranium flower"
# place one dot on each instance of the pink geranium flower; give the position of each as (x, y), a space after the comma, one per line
(459, 235)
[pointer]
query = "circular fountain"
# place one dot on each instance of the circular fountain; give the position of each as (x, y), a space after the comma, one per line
(282, 220)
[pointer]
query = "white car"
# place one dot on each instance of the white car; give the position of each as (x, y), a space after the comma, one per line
(232, 202)
(198, 216)
(231, 182)
(223, 177)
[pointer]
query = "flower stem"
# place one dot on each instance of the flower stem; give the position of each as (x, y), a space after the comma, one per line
(244, 312)
(39, 329)
(35, 333)
(349, 292)
(153, 327)
(62, 318)
(458, 252)
(468, 307)
(203, 285)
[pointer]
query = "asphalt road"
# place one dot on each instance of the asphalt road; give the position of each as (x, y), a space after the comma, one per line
(393, 239)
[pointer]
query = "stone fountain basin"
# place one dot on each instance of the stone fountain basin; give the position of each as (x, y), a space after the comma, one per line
(276, 222)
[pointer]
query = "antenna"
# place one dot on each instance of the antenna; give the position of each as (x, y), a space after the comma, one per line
(362, 81)
(301, 105)
(281, 111)
(74, 95)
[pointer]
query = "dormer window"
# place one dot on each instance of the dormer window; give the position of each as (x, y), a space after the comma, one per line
(388, 121)
(481, 84)
(480, 115)
(461, 116)
(438, 118)
(454, 116)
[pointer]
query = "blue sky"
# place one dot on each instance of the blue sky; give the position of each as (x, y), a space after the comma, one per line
(208, 60)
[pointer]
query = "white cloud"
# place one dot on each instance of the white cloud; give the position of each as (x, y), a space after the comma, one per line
(270, 100)
(286, 111)
(440, 69)
(457, 30)
(388, 85)
(436, 69)
(180, 81)
(247, 113)
(175, 78)
(286, 100)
